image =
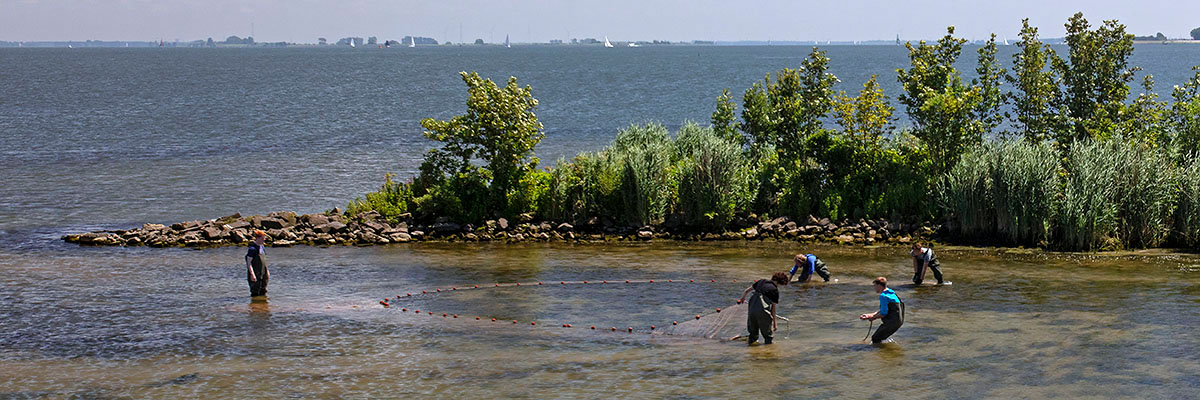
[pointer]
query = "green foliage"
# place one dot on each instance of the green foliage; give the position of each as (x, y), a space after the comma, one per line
(990, 76)
(943, 109)
(715, 179)
(1004, 189)
(500, 129)
(786, 112)
(1196, 34)
(1187, 214)
(588, 186)
(648, 181)
(1034, 87)
(390, 201)
(1184, 115)
(1118, 193)
(1095, 79)
(1146, 119)
(724, 122)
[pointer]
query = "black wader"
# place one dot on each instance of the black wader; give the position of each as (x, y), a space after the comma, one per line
(891, 322)
(759, 320)
(258, 287)
(821, 269)
(937, 272)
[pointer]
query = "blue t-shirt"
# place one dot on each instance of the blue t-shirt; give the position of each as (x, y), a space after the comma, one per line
(810, 265)
(888, 296)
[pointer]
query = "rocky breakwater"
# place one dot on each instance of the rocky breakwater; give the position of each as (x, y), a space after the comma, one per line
(333, 228)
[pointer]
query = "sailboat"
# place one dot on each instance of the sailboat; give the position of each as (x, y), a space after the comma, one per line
(1006, 41)
(412, 41)
(506, 44)
(632, 44)
(606, 42)
(351, 43)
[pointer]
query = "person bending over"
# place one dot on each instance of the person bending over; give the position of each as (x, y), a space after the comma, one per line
(806, 265)
(891, 310)
(923, 257)
(761, 317)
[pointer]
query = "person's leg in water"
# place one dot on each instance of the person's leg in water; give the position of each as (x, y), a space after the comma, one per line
(937, 270)
(822, 270)
(891, 323)
(752, 326)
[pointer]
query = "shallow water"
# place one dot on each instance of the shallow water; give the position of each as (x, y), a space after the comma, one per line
(110, 322)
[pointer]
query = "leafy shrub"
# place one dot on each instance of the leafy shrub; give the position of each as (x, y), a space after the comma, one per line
(648, 179)
(392, 200)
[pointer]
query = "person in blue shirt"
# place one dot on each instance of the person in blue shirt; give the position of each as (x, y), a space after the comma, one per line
(256, 265)
(806, 265)
(891, 310)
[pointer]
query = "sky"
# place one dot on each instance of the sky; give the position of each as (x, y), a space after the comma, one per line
(303, 21)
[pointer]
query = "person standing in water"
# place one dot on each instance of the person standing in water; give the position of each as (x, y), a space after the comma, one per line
(807, 265)
(761, 317)
(891, 310)
(923, 257)
(257, 274)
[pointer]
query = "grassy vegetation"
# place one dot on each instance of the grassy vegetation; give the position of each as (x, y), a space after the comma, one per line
(1060, 157)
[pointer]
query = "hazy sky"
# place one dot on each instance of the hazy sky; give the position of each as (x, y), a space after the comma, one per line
(542, 20)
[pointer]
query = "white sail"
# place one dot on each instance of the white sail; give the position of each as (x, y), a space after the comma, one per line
(606, 42)
(351, 42)
(412, 42)
(506, 44)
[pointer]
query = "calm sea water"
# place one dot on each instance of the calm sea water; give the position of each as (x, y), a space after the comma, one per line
(112, 138)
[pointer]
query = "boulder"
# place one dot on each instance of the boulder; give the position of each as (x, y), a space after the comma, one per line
(237, 224)
(153, 227)
(289, 218)
(332, 227)
(282, 243)
(502, 224)
(400, 237)
(750, 233)
(645, 235)
(446, 227)
(526, 217)
(373, 225)
(269, 222)
(315, 219)
(211, 233)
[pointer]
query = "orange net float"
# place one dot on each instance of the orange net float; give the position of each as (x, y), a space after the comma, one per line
(476, 318)
(539, 284)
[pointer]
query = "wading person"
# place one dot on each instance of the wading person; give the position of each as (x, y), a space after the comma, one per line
(923, 258)
(891, 310)
(761, 317)
(807, 265)
(257, 274)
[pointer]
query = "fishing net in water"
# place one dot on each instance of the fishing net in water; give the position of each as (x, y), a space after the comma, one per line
(729, 322)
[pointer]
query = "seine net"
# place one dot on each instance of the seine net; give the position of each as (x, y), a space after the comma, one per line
(729, 322)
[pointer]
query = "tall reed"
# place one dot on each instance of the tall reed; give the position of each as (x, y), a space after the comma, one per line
(1187, 213)
(648, 177)
(715, 178)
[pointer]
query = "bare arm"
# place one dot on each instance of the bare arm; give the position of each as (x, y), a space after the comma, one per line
(872, 316)
(774, 319)
(249, 269)
(745, 293)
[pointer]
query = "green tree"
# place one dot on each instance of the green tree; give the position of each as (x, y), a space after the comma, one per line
(1146, 118)
(500, 128)
(867, 117)
(1095, 78)
(724, 122)
(990, 76)
(1034, 87)
(1196, 34)
(1184, 115)
(943, 109)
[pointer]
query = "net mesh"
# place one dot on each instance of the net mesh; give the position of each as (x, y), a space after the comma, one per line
(729, 322)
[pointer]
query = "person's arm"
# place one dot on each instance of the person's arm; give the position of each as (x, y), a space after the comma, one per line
(249, 269)
(774, 319)
(878, 314)
(743, 299)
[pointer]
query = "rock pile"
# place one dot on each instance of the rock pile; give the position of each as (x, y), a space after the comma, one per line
(332, 228)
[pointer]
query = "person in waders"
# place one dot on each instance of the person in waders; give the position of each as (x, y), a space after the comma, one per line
(807, 265)
(761, 317)
(257, 274)
(923, 257)
(891, 310)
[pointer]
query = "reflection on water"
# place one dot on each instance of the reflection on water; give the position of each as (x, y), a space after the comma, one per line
(94, 322)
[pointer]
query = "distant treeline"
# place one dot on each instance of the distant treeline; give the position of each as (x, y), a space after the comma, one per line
(1047, 150)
